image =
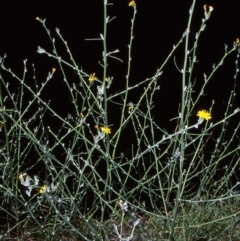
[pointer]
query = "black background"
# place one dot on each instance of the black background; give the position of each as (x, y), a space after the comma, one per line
(159, 25)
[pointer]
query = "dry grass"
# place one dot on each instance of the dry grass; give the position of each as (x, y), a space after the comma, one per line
(203, 222)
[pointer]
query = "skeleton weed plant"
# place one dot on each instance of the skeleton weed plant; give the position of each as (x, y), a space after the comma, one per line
(73, 175)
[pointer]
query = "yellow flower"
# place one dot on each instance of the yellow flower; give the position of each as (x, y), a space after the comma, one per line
(237, 42)
(203, 114)
(131, 3)
(210, 8)
(92, 77)
(43, 189)
(106, 129)
(21, 177)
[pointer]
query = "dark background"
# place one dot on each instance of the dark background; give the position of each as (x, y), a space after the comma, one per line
(159, 25)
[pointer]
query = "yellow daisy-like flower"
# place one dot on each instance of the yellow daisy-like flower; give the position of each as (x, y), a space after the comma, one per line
(131, 3)
(92, 77)
(204, 114)
(106, 129)
(43, 189)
